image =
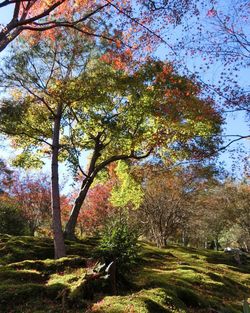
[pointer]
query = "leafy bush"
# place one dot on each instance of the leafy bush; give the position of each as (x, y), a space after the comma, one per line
(119, 243)
(12, 221)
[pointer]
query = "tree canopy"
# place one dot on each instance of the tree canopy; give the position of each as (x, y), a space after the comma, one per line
(68, 98)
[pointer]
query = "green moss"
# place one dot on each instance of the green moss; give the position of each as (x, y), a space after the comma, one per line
(20, 248)
(50, 266)
(22, 276)
(19, 293)
(68, 279)
(17, 248)
(146, 301)
(170, 280)
(190, 298)
(56, 291)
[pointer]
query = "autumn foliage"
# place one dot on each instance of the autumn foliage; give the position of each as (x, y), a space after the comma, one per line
(96, 209)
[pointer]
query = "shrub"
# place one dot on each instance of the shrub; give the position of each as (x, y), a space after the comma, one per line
(12, 221)
(119, 243)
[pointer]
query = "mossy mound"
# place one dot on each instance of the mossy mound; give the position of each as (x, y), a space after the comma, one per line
(190, 281)
(20, 248)
(21, 276)
(155, 300)
(49, 266)
(17, 248)
(30, 276)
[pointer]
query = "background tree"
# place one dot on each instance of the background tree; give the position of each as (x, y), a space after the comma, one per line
(238, 213)
(219, 215)
(33, 196)
(167, 207)
(13, 222)
(211, 216)
(96, 210)
(243, 214)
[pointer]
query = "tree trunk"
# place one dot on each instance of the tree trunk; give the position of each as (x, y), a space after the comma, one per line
(69, 232)
(59, 246)
(164, 242)
(185, 239)
(205, 244)
(216, 244)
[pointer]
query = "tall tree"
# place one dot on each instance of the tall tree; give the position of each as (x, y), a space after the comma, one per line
(62, 107)
(41, 75)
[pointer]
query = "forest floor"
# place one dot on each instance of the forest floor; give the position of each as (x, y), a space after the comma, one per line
(176, 279)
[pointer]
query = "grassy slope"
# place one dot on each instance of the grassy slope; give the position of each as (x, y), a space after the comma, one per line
(166, 280)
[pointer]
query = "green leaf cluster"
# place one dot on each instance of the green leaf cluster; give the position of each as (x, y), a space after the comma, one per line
(128, 191)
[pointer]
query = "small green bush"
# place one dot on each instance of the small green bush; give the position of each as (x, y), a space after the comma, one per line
(12, 221)
(119, 243)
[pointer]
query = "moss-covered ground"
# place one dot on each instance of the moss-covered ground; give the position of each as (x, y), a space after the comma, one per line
(175, 279)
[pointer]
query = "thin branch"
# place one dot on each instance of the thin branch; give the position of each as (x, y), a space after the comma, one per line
(234, 140)
(36, 96)
(141, 25)
(15, 27)
(80, 20)
(27, 135)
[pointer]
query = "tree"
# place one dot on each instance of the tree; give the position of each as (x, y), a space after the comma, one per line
(32, 194)
(238, 213)
(244, 217)
(113, 192)
(118, 114)
(167, 206)
(126, 191)
(38, 16)
(220, 215)
(212, 216)
(44, 94)
(13, 222)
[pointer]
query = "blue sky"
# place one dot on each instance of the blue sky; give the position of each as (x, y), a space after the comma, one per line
(235, 123)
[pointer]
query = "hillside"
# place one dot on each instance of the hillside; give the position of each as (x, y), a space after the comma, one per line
(164, 280)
